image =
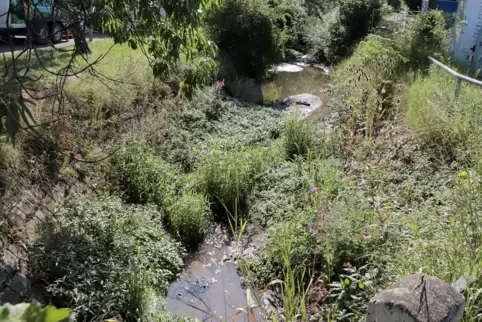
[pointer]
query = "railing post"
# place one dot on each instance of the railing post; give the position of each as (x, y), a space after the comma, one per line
(457, 88)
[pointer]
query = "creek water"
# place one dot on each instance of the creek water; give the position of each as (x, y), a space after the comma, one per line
(210, 288)
(283, 84)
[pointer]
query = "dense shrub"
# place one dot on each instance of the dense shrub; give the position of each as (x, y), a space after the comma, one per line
(333, 36)
(426, 36)
(291, 16)
(247, 36)
(103, 258)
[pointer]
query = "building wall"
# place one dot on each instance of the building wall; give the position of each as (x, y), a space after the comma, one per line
(465, 44)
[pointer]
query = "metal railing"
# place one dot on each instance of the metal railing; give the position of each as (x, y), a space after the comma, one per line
(459, 77)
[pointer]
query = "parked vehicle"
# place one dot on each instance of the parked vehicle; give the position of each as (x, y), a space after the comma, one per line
(38, 18)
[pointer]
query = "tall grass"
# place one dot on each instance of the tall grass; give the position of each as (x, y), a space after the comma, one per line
(145, 178)
(447, 245)
(299, 136)
(454, 124)
(293, 289)
(190, 217)
(228, 176)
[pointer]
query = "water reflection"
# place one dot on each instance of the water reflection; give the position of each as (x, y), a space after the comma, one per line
(284, 84)
(210, 287)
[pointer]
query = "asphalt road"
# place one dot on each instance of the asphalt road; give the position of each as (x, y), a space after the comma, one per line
(19, 43)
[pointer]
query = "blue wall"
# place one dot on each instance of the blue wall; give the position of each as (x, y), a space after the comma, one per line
(447, 6)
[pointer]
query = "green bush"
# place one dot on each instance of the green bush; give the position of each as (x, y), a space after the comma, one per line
(299, 136)
(189, 218)
(333, 36)
(145, 178)
(426, 36)
(246, 34)
(104, 259)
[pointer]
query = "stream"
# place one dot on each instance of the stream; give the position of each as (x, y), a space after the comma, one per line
(210, 287)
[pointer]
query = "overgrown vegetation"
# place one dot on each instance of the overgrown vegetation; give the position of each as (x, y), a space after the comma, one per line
(247, 36)
(97, 246)
(339, 25)
(334, 205)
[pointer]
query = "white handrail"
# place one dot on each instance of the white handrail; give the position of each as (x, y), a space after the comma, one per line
(454, 73)
(459, 77)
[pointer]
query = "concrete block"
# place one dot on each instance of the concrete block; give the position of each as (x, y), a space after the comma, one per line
(417, 298)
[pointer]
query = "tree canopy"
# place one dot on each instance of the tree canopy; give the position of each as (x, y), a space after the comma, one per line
(167, 31)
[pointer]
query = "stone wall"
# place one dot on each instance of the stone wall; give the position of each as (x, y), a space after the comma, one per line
(24, 216)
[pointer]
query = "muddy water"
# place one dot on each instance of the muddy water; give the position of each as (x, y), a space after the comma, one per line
(210, 288)
(283, 84)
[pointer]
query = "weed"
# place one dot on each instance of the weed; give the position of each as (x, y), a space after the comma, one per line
(293, 291)
(93, 248)
(299, 136)
(189, 217)
(364, 86)
(229, 175)
(145, 178)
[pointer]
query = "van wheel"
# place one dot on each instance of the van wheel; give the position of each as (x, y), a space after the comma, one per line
(41, 34)
(5, 37)
(56, 34)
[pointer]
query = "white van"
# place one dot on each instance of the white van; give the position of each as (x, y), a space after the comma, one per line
(40, 17)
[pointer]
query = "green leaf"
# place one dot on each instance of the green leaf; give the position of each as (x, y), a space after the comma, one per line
(34, 312)
(52, 314)
(361, 285)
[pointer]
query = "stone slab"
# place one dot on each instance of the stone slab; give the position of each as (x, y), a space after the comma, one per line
(417, 298)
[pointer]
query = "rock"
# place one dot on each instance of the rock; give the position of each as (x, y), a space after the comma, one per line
(16, 290)
(288, 68)
(304, 103)
(417, 298)
(322, 67)
(308, 58)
